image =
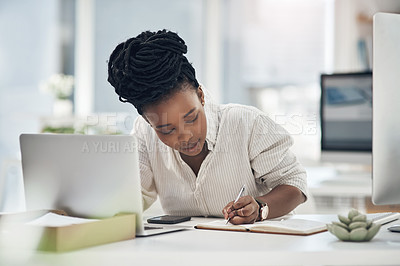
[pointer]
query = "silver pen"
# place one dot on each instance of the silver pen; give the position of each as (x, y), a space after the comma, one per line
(237, 198)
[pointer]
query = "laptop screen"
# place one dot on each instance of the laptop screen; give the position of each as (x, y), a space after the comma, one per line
(85, 175)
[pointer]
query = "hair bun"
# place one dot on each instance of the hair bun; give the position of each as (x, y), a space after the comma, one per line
(146, 63)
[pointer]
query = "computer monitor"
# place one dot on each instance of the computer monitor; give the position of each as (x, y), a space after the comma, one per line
(386, 109)
(346, 118)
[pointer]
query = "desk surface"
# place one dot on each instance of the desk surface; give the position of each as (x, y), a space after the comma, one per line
(326, 181)
(207, 247)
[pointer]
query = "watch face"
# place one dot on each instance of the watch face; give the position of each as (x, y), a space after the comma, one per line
(264, 212)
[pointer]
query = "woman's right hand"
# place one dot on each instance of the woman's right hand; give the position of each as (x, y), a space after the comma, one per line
(244, 211)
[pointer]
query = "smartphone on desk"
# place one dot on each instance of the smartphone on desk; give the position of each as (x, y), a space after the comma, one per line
(168, 219)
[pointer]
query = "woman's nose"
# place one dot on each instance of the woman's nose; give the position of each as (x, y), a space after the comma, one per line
(185, 135)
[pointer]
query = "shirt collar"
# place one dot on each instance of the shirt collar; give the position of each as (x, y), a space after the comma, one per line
(212, 116)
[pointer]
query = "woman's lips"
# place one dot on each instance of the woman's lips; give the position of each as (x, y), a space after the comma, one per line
(191, 146)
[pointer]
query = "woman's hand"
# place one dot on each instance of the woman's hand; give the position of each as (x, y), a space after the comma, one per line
(244, 211)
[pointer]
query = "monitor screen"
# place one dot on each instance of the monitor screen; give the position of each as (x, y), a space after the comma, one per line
(346, 112)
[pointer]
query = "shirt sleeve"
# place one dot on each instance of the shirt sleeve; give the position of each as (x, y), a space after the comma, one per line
(272, 162)
(149, 192)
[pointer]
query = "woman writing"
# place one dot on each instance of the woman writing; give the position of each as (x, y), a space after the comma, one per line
(195, 155)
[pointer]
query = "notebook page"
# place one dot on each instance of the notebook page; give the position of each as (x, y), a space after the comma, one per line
(221, 224)
(290, 225)
(56, 220)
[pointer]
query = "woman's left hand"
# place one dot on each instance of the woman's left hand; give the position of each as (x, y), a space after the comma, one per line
(244, 211)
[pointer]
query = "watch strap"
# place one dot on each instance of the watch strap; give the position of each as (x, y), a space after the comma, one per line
(263, 207)
(260, 203)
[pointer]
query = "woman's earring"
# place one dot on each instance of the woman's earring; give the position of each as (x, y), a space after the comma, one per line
(202, 103)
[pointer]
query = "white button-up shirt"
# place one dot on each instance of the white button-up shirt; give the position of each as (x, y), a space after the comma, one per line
(245, 147)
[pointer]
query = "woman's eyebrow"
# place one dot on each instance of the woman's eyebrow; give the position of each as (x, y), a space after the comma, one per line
(188, 113)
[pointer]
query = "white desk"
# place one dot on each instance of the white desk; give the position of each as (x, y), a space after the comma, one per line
(325, 181)
(337, 190)
(207, 247)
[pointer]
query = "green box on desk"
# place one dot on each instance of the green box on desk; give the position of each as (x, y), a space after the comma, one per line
(64, 238)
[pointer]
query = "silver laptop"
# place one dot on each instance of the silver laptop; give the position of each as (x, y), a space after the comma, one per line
(85, 175)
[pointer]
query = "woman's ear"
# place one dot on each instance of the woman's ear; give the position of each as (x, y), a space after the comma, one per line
(200, 94)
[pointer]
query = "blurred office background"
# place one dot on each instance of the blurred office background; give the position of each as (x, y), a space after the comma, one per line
(265, 53)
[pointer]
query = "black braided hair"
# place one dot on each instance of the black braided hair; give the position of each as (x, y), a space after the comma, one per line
(148, 68)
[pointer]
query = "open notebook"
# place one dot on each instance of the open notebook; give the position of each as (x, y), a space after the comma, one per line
(288, 227)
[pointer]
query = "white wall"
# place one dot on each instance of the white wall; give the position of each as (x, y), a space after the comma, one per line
(271, 44)
(29, 53)
(116, 21)
(349, 29)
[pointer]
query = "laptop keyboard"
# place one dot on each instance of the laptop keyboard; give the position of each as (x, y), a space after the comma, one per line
(383, 217)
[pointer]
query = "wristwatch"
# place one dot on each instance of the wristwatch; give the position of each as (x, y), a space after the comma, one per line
(263, 210)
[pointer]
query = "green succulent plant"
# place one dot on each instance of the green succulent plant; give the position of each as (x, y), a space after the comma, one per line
(354, 227)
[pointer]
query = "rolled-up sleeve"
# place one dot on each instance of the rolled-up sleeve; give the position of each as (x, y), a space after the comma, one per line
(272, 162)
